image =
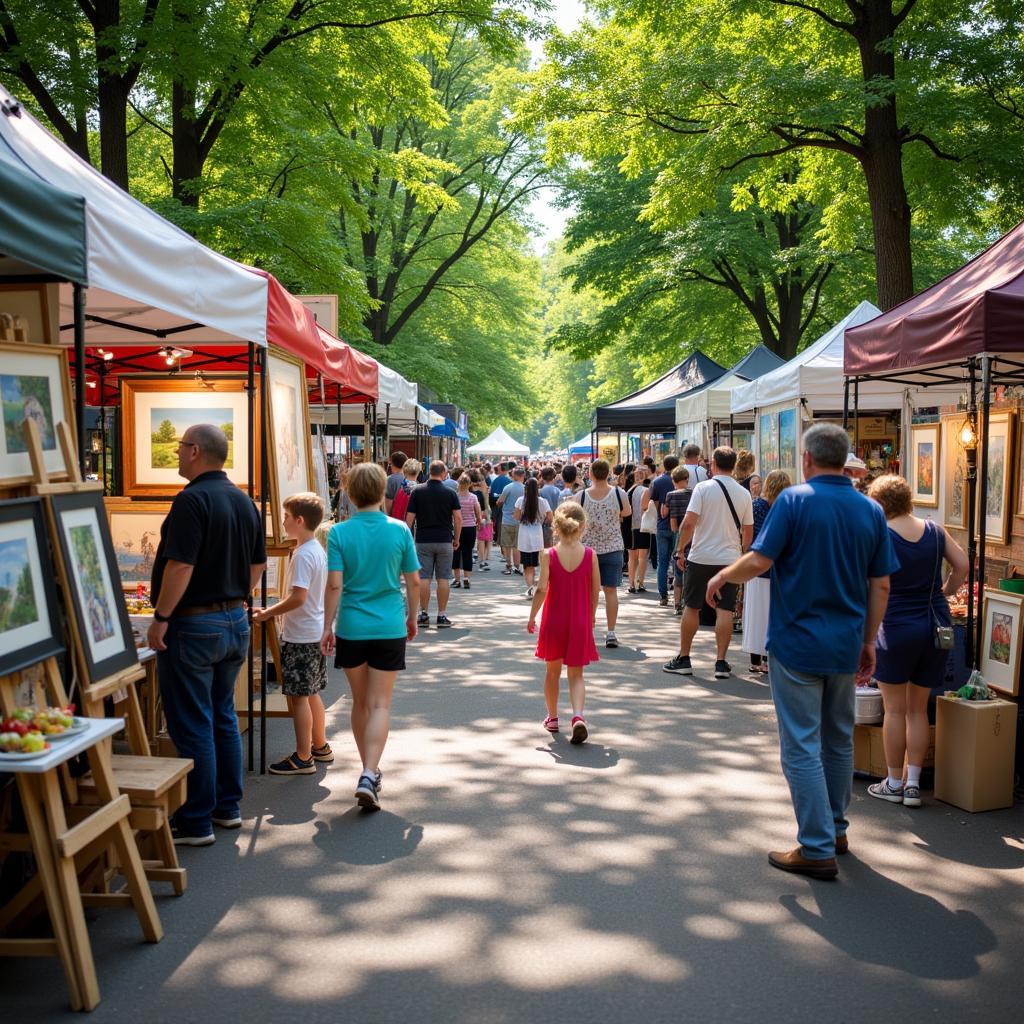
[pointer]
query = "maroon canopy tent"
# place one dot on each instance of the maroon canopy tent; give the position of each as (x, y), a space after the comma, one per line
(970, 321)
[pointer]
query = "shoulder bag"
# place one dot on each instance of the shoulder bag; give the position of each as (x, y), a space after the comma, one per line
(732, 509)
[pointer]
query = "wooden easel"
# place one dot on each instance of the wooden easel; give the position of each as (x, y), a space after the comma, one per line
(156, 785)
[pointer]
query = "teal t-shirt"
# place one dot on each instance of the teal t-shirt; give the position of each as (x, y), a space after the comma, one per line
(371, 550)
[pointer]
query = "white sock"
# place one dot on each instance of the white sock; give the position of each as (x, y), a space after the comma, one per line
(895, 779)
(914, 775)
(370, 772)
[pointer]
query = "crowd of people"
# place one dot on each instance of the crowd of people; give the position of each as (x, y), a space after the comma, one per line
(837, 585)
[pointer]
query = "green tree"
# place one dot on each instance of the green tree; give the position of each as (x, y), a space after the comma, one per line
(228, 429)
(165, 432)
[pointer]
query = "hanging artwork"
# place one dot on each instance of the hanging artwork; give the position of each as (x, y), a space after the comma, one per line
(135, 535)
(787, 441)
(288, 432)
(34, 385)
(768, 440)
(1001, 640)
(156, 412)
(954, 476)
(999, 474)
(91, 583)
(29, 628)
(924, 464)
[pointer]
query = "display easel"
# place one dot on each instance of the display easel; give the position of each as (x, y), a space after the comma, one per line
(156, 786)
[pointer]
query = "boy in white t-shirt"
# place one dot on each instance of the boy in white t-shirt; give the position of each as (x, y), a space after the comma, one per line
(303, 667)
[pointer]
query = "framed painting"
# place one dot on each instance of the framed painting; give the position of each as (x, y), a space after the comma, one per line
(91, 585)
(954, 476)
(156, 411)
(925, 449)
(30, 303)
(787, 441)
(768, 441)
(1020, 468)
(999, 473)
(29, 627)
(288, 433)
(34, 385)
(1001, 640)
(135, 535)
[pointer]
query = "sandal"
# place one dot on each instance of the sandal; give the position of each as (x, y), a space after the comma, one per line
(641, 589)
(631, 590)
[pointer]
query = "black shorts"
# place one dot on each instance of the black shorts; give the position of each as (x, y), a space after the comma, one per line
(529, 558)
(641, 541)
(695, 587)
(383, 655)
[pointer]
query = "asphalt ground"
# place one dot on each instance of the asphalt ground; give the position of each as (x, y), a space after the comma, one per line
(513, 877)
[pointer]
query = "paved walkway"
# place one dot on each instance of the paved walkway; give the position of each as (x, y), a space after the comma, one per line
(512, 877)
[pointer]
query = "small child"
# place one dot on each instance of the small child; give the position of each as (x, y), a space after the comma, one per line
(678, 501)
(303, 667)
(570, 583)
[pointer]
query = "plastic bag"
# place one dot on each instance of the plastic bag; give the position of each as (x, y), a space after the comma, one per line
(975, 688)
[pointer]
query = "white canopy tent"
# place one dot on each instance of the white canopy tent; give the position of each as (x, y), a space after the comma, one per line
(144, 272)
(498, 442)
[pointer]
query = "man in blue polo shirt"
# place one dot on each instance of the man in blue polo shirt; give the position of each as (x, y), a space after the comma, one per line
(829, 551)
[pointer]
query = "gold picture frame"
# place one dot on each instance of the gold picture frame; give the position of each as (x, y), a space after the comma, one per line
(994, 519)
(156, 410)
(289, 438)
(925, 463)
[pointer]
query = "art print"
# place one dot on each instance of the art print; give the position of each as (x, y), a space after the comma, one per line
(787, 439)
(924, 464)
(29, 630)
(1001, 640)
(768, 439)
(288, 433)
(135, 535)
(998, 465)
(91, 583)
(34, 386)
(954, 481)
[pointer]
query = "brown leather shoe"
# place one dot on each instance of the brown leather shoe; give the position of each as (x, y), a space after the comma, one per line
(795, 861)
(842, 844)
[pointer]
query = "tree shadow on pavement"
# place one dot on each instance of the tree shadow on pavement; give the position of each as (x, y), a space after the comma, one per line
(849, 917)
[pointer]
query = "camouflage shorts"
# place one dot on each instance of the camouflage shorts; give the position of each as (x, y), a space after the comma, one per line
(304, 669)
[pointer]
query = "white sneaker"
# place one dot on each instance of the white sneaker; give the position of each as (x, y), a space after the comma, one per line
(530, 591)
(610, 639)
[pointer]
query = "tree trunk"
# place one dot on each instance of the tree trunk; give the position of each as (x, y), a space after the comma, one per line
(186, 158)
(111, 95)
(791, 315)
(882, 161)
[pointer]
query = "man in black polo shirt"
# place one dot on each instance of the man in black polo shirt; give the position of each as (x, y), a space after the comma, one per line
(435, 516)
(210, 557)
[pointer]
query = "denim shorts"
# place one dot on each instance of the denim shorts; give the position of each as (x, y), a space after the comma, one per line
(610, 566)
(435, 560)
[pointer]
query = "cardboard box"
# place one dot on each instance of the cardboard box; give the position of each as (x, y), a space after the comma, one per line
(869, 752)
(974, 751)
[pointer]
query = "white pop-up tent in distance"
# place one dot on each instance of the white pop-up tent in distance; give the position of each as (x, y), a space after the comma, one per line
(498, 442)
(812, 385)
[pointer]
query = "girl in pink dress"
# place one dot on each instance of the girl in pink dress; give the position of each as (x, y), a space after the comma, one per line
(568, 589)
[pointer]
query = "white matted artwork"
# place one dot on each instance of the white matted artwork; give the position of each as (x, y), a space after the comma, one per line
(1001, 640)
(288, 431)
(925, 452)
(996, 519)
(954, 476)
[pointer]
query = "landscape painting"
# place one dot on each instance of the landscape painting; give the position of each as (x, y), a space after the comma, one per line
(156, 413)
(787, 439)
(89, 576)
(26, 398)
(29, 631)
(768, 440)
(135, 535)
(168, 426)
(954, 477)
(924, 464)
(34, 386)
(999, 475)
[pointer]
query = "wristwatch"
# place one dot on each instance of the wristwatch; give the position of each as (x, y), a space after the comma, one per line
(160, 618)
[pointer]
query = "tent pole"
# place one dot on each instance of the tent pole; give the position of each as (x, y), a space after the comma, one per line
(970, 488)
(264, 476)
(856, 416)
(986, 390)
(103, 429)
(250, 427)
(387, 430)
(79, 310)
(846, 403)
(732, 431)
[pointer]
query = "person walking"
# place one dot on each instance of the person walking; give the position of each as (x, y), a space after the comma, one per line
(436, 516)
(509, 527)
(658, 493)
(757, 593)
(606, 507)
(568, 591)
(472, 520)
(573, 484)
(210, 557)
(400, 504)
(694, 464)
(485, 534)
(396, 479)
(532, 513)
(718, 525)
(552, 494)
(497, 485)
(367, 623)
(831, 557)
(640, 542)
(678, 501)
(303, 668)
(910, 663)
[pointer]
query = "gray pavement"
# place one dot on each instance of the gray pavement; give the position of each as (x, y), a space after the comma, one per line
(512, 877)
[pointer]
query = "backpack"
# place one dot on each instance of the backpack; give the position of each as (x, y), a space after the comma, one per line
(400, 505)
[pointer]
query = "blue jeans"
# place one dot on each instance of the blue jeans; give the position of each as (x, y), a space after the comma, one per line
(816, 714)
(666, 542)
(197, 674)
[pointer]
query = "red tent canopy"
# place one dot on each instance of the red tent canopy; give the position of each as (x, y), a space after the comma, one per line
(351, 377)
(978, 308)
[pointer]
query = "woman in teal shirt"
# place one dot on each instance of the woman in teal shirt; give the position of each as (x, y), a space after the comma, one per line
(366, 555)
